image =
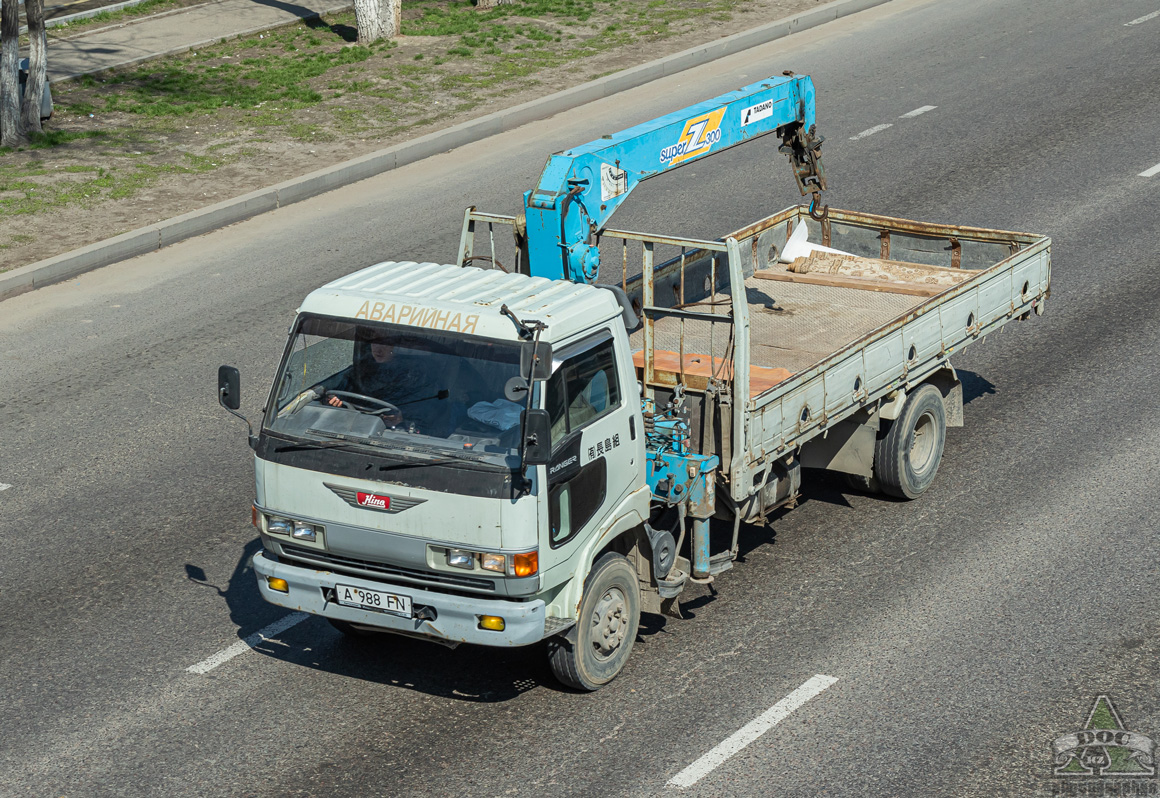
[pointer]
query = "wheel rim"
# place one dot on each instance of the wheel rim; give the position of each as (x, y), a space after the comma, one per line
(923, 443)
(609, 623)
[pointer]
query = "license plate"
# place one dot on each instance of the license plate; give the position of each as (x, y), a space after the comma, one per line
(377, 600)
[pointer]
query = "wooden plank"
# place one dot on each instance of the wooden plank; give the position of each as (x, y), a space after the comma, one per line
(761, 379)
(859, 283)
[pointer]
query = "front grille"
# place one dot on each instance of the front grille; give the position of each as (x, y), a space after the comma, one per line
(360, 567)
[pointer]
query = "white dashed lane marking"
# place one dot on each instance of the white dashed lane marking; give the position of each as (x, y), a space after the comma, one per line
(1144, 18)
(870, 132)
(4, 486)
(1155, 170)
(751, 731)
(242, 646)
(918, 112)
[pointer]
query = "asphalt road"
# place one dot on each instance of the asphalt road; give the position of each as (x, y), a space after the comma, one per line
(966, 630)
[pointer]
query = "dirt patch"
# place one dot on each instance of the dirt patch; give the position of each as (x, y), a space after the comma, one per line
(136, 146)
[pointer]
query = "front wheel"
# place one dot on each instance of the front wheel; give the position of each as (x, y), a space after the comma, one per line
(906, 457)
(594, 651)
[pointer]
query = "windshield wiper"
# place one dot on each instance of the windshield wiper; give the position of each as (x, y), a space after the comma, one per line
(300, 445)
(338, 440)
(443, 457)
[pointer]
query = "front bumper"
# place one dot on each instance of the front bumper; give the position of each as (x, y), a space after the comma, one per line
(457, 617)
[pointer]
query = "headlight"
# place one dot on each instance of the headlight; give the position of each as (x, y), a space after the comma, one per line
(494, 562)
(304, 531)
(300, 531)
(458, 558)
(520, 564)
(279, 526)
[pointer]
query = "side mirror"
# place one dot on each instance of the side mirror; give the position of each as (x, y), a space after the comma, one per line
(537, 437)
(516, 390)
(229, 387)
(536, 360)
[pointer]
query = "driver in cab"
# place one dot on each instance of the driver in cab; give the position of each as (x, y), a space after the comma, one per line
(399, 379)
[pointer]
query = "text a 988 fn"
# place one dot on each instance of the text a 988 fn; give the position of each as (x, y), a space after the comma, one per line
(382, 601)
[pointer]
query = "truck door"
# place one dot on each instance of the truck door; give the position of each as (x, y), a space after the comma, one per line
(592, 452)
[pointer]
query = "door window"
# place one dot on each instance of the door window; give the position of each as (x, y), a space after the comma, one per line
(583, 389)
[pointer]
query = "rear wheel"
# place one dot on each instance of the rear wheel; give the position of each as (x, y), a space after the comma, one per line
(594, 651)
(908, 452)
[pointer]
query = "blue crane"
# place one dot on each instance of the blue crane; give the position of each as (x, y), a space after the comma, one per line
(581, 188)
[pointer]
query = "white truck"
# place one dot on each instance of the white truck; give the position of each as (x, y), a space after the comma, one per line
(473, 456)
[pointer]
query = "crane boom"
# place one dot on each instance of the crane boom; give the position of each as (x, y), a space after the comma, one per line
(581, 188)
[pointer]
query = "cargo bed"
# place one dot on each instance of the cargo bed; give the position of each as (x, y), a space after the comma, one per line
(768, 359)
(818, 349)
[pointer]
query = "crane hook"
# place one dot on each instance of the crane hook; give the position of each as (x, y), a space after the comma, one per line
(822, 215)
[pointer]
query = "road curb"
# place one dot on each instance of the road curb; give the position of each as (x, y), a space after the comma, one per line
(205, 220)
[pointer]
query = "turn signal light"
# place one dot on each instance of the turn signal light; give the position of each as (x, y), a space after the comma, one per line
(254, 514)
(281, 585)
(526, 564)
(492, 622)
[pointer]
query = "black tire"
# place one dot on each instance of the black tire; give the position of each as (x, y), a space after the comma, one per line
(594, 651)
(348, 629)
(863, 484)
(907, 453)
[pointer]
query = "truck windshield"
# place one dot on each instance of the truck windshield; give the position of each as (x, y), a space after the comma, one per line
(400, 388)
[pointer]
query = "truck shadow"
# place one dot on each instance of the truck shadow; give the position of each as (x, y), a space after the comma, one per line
(828, 487)
(467, 673)
(249, 612)
(974, 386)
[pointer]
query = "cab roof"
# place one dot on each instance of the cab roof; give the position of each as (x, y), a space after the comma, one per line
(462, 299)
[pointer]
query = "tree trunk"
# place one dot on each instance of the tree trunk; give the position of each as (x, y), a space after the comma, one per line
(37, 64)
(377, 19)
(11, 128)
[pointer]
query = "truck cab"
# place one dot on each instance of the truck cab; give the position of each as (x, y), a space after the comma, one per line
(391, 487)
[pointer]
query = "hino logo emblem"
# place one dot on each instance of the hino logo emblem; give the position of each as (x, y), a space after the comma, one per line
(381, 502)
(373, 501)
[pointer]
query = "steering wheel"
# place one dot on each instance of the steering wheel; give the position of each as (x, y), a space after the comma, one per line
(365, 404)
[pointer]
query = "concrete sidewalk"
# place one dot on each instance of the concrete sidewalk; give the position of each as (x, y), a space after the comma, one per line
(173, 32)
